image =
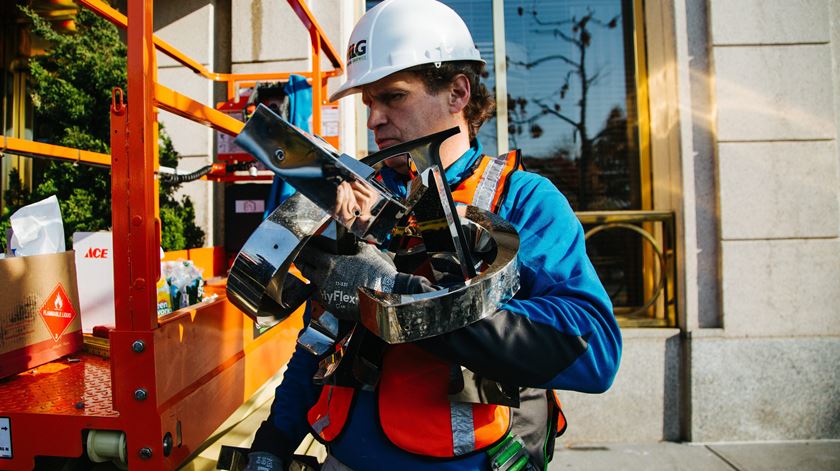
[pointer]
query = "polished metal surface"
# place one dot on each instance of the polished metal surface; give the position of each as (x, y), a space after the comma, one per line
(316, 169)
(316, 342)
(423, 152)
(356, 361)
(437, 221)
(319, 337)
(398, 318)
(257, 283)
(485, 254)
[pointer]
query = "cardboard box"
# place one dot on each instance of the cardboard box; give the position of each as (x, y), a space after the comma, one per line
(95, 261)
(39, 311)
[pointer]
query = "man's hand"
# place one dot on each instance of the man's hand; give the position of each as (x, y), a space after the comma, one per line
(338, 277)
(263, 461)
(354, 200)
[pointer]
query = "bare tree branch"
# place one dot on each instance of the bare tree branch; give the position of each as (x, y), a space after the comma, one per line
(594, 77)
(548, 23)
(549, 110)
(530, 65)
(558, 33)
(610, 24)
(530, 120)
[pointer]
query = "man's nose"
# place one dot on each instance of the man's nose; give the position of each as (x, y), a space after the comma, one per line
(376, 117)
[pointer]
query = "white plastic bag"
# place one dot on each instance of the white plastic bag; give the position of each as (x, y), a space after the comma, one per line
(37, 229)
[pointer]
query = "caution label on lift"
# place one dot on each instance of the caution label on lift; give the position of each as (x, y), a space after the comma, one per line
(5, 438)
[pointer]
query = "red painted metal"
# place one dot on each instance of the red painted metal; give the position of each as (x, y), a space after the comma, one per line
(209, 361)
(184, 373)
(79, 385)
(316, 34)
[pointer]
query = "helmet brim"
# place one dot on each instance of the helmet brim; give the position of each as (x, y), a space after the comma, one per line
(351, 87)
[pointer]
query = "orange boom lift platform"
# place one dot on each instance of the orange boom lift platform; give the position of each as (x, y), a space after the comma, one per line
(170, 381)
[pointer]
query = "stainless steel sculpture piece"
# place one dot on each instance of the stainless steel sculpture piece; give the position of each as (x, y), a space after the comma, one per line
(316, 169)
(481, 245)
(401, 318)
(257, 283)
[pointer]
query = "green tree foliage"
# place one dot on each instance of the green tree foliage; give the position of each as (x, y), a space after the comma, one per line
(71, 93)
(177, 217)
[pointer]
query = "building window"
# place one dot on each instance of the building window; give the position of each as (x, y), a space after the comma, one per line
(571, 95)
(570, 83)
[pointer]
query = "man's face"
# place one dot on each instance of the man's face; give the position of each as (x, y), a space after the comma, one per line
(401, 109)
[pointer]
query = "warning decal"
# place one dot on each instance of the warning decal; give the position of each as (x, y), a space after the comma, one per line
(57, 312)
(5, 437)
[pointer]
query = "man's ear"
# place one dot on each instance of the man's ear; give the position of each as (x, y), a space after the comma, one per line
(459, 93)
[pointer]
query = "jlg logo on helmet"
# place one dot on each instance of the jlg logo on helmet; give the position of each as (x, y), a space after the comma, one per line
(356, 51)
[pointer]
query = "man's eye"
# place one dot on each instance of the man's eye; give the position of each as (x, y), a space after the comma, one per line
(392, 97)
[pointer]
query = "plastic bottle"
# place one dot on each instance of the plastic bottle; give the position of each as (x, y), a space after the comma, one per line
(164, 303)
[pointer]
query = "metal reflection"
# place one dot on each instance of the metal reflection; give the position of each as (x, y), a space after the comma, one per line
(471, 257)
(659, 308)
(317, 170)
(401, 318)
(257, 283)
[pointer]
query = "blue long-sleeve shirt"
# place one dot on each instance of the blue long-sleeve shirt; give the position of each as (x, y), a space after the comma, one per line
(557, 333)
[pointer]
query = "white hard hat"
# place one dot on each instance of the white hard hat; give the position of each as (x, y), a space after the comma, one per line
(398, 34)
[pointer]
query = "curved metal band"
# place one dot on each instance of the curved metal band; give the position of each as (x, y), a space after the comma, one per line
(399, 318)
(258, 283)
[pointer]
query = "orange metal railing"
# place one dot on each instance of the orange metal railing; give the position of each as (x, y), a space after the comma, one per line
(165, 97)
(28, 148)
(186, 107)
(172, 380)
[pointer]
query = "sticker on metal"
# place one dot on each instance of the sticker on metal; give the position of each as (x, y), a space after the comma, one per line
(5, 438)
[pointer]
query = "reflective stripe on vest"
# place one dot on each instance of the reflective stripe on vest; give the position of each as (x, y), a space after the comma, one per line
(463, 434)
(414, 410)
(486, 186)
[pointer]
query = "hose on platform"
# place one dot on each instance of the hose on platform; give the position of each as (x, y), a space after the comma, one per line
(169, 175)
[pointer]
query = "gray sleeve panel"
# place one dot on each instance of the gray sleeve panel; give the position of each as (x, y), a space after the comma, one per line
(509, 348)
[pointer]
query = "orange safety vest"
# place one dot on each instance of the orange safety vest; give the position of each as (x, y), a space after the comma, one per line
(414, 410)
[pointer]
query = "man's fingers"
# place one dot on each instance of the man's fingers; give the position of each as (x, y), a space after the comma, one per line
(346, 206)
(365, 197)
(362, 189)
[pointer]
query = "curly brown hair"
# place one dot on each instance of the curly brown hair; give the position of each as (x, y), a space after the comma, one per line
(481, 106)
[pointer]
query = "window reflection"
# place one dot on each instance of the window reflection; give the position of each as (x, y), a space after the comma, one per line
(573, 111)
(570, 82)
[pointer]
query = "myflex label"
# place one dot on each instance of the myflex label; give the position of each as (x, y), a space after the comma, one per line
(5, 437)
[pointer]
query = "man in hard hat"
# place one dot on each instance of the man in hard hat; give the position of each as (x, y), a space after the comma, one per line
(415, 64)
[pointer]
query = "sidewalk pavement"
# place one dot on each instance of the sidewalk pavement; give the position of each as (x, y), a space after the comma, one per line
(821, 455)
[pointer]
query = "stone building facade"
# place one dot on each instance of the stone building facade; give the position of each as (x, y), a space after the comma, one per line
(743, 102)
